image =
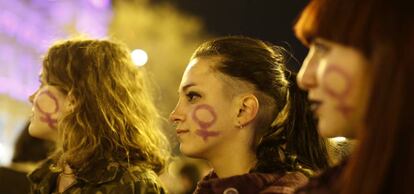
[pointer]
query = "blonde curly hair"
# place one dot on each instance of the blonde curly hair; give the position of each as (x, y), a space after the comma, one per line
(112, 115)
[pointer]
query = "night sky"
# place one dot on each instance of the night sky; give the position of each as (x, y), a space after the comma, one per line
(270, 20)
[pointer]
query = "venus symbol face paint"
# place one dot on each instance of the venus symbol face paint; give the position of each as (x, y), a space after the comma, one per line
(47, 105)
(340, 89)
(47, 108)
(335, 77)
(205, 117)
(202, 118)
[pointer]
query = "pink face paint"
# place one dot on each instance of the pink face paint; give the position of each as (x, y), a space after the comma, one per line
(204, 125)
(340, 93)
(47, 116)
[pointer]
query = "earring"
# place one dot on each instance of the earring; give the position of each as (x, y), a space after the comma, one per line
(240, 125)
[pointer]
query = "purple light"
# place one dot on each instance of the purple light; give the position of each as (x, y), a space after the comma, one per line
(63, 12)
(8, 22)
(27, 29)
(100, 3)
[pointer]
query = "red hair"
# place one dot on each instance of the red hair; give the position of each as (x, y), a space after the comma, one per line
(383, 31)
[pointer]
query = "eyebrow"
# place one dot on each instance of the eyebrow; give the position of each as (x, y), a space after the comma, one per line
(185, 87)
(320, 42)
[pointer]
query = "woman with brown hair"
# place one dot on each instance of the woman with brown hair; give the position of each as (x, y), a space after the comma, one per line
(359, 77)
(240, 109)
(96, 105)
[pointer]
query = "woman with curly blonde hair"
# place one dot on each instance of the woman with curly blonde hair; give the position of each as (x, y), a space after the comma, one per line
(95, 104)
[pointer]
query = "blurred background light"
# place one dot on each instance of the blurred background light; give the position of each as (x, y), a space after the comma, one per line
(339, 139)
(139, 56)
(27, 29)
(100, 3)
(5, 153)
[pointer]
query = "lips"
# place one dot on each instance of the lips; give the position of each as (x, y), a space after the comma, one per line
(182, 131)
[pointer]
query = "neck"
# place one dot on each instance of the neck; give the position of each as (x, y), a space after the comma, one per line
(67, 170)
(234, 164)
(232, 160)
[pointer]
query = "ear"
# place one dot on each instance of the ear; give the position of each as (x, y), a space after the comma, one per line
(248, 108)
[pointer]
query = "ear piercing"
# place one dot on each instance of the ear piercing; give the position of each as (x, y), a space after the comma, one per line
(240, 125)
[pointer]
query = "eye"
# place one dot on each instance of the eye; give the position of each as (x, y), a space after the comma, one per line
(321, 48)
(192, 96)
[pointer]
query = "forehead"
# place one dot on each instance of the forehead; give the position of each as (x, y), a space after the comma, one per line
(200, 71)
(337, 50)
(202, 65)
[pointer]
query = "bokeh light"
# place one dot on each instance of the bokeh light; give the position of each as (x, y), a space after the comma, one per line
(140, 57)
(338, 139)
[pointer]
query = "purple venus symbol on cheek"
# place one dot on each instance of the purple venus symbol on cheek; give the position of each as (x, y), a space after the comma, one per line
(342, 93)
(205, 124)
(47, 116)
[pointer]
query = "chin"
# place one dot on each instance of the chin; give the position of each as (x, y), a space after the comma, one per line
(330, 130)
(37, 134)
(42, 133)
(190, 151)
(33, 131)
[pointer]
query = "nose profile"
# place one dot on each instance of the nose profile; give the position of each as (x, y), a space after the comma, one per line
(177, 115)
(31, 97)
(306, 77)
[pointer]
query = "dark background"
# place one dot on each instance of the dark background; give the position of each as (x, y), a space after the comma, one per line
(270, 20)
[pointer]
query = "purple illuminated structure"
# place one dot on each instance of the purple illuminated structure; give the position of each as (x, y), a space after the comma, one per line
(27, 29)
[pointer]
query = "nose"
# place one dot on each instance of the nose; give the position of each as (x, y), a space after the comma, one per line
(177, 115)
(32, 96)
(306, 77)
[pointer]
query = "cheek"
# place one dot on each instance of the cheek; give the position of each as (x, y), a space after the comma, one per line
(47, 103)
(337, 84)
(204, 115)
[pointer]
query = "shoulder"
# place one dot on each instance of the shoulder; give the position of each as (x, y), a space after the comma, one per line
(286, 184)
(325, 182)
(135, 181)
(254, 182)
(41, 172)
(135, 174)
(42, 177)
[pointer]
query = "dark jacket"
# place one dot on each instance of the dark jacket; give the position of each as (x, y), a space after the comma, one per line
(104, 178)
(251, 183)
(326, 183)
(13, 182)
